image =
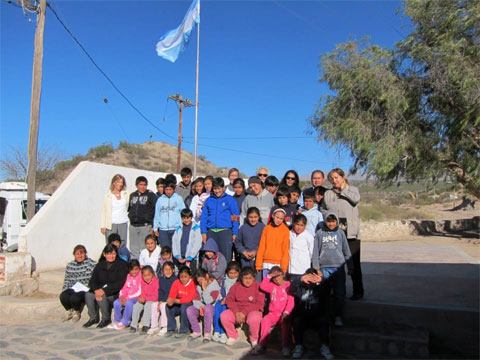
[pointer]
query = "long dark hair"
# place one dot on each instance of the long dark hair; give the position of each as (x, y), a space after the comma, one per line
(295, 174)
(107, 250)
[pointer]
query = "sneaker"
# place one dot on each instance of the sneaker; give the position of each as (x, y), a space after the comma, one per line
(338, 321)
(170, 333)
(259, 349)
(223, 338)
(132, 330)
(144, 330)
(297, 352)
(162, 332)
(194, 335)
(112, 326)
(153, 331)
(68, 315)
(207, 338)
(286, 351)
(120, 326)
(355, 297)
(254, 343)
(326, 353)
(181, 335)
(77, 315)
(216, 337)
(230, 341)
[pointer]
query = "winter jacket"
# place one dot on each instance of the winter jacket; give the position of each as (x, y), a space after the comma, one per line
(331, 248)
(314, 217)
(150, 259)
(280, 299)
(107, 209)
(167, 212)
(209, 296)
(132, 287)
(110, 280)
(245, 299)
(164, 287)
(344, 204)
(263, 202)
(301, 251)
(248, 237)
(141, 208)
(274, 247)
(124, 254)
(183, 292)
(194, 242)
(217, 265)
(217, 214)
(78, 272)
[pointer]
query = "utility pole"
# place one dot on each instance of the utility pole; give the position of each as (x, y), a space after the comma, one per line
(181, 102)
(35, 109)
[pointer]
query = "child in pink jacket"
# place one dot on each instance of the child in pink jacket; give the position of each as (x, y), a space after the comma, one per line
(127, 297)
(281, 305)
(147, 297)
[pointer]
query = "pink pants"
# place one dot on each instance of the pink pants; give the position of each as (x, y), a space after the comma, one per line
(155, 313)
(253, 320)
(268, 323)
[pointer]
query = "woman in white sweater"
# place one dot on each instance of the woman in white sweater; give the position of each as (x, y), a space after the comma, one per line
(114, 212)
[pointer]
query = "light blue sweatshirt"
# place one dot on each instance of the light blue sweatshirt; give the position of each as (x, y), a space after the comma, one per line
(167, 212)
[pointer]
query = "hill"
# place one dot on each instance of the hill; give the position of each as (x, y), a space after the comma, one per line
(151, 155)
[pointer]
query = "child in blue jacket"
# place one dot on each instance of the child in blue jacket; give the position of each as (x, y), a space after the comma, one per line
(216, 220)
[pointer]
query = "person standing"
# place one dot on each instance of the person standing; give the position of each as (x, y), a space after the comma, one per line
(114, 211)
(260, 198)
(342, 199)
(317, 178)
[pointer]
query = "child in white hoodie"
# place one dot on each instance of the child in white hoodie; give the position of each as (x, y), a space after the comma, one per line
(301, 247)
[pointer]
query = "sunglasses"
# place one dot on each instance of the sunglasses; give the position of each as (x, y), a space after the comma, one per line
(262, 175)
(290, 178)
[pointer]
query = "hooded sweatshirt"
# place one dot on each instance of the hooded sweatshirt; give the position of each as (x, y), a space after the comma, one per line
(280, 299)
(141, 208)
(167, 212)
(217, 213)
(314, 216)
(263, 202)
(209, 296)
(245, 299)
(132, 287)
(217, 264)
(330, 247)
(274, 246)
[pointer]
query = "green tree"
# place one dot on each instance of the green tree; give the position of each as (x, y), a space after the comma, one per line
(411, 112)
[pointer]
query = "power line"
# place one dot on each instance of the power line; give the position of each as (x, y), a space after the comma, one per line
(252, 138)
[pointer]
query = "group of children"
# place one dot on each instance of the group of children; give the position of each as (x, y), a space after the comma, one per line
(288, 259)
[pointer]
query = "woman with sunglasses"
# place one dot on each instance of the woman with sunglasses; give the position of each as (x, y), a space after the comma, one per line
(290, 180)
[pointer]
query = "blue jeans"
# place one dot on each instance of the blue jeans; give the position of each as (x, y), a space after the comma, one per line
(217, 325)
(224, 242)
(165, 237)
(174, 311)
(335, 280)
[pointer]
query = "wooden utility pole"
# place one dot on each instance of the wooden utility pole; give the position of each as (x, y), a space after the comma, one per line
(186, 102)
(35, 109)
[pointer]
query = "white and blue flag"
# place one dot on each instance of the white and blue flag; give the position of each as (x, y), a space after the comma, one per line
(173, 42)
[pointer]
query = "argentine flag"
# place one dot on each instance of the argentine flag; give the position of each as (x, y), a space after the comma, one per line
(173, 42)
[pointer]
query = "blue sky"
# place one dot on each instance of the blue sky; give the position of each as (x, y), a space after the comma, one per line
(258, 75)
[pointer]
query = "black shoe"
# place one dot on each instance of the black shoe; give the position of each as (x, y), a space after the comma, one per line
(355, 297)
(90, 323)
(103, 323)
(144, 330)
(132, 330)
(170, 333)
(181, 335)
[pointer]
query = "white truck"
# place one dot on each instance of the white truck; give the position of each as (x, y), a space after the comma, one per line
(13, 212)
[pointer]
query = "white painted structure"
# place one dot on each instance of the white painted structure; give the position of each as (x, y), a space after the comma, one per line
(72, 215)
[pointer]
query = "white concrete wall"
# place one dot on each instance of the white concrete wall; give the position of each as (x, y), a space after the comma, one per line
(72, 216)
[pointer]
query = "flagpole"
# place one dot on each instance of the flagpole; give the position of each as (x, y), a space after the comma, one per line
(196, 103)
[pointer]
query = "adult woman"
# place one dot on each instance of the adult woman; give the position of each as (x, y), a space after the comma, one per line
(114, 212)
(77, 276)
(342, 199)
(290, 180)
(106, 282)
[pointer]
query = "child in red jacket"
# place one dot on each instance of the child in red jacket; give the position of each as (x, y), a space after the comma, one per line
(180, 298)
(245, 304)
(148, 294)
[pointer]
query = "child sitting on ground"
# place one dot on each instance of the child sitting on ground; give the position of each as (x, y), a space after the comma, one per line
(274, 245)
(151, 253)
(249, 236)
(214, 261)
(280, 306)
(204, 301)
(187, 241)
(179, 299)
(245, 304)
(230, 278)
(149, 294)
(127, 297)
(301, 247)
(330, 253)
(165, 256)
(123, 252)
(310, 311)
(159, 307)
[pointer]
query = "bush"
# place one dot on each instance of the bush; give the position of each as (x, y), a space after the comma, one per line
(68, 164)
(132, 149)
(101, 151)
